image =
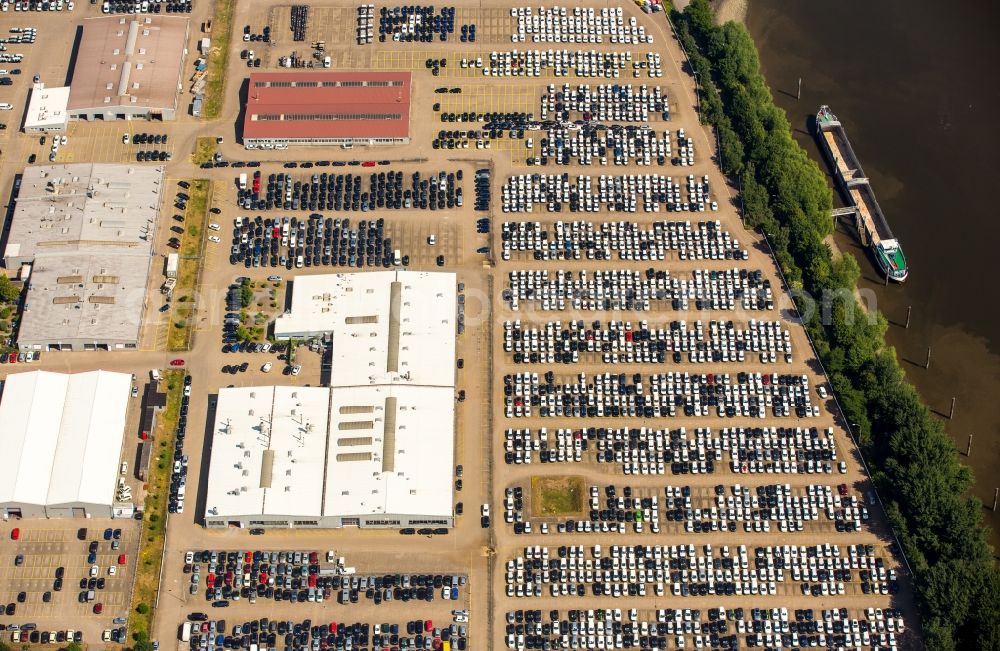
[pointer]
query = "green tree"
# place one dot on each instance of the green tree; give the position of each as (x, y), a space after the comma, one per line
(9, 292)
(246, 295)
(73, 646)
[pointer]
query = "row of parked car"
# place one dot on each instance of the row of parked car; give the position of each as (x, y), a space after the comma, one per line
(296, 242)
(582, 239)
(415, 24)
(20, 358)
(300, 577)
(179, 470)
(639, 291)
(562, 63)
(576, 25)
(649, 451)
(635, 343)
(724, 508)
(282, 635)
(717, 628)
(146, 6)
(381, 190)
(626, 193)
(816, 570)
(29, 634)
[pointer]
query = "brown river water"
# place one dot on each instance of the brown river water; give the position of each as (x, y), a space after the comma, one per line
(915, 84)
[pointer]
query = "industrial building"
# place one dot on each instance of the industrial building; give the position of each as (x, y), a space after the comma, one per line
(47, 112)
(387, 327)
(62, 438)
(326, 108)
(129, 67)
(86, 230)
(376, 448)
(287, 456)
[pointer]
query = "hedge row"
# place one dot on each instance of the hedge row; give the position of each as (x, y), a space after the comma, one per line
(914, 464)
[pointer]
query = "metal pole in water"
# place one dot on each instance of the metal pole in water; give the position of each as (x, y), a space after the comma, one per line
(996, 495)
(952, 413)
(799, 94)
(909, 308)
(968, 450)
(927, 364)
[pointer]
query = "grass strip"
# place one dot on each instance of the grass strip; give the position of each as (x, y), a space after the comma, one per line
(147, 580)
(218, 59)
(180, 325)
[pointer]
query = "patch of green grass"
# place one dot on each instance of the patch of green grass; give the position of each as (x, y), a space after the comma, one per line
(218, 59)
(192, 243)
(557, 496)
(204, 150)
(147, 580)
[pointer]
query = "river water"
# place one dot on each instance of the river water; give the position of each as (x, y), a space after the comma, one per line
(915, 85)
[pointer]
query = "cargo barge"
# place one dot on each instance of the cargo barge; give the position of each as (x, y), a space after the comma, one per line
(872, 227)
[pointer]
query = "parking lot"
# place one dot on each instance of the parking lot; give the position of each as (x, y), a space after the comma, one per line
(48, 545)
(711, 287)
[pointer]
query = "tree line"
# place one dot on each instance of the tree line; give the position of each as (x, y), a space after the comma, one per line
(915, 466)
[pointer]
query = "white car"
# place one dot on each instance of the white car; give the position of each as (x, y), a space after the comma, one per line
(214, 227)
(296, 369)
(188, 557)
(6, 107)
(112, 570)
(214, 238)
(821, 391)
(94, 570)
(266, 367)
(484, 510)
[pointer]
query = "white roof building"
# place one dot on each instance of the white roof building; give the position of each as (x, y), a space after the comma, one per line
(376, 448)
(268, 454)
(390, 453)
(47, 111)
(387, 327)
(62, 438)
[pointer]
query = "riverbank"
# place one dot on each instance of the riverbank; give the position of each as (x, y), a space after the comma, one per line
(735, 10)
(942, 97)
(725, 10)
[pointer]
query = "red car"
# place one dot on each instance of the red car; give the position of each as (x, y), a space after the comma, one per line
(121, 559)
(428, 626)
(98, 608)
(842, 489)
(15, 533)
(368, 163)
(177, 362)
(12, 358)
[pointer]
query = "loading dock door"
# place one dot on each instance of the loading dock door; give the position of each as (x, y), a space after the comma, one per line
(79, 513)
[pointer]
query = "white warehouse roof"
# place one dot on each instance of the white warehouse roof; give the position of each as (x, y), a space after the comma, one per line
(387, 327)
(391, 451)
(268, 452)
(62, 437)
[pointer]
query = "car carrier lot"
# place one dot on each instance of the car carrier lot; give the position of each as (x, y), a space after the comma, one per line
(482, 419)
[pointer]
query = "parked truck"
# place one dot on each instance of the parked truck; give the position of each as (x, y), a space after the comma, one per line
(168, 286)
(243, 181)
(173, 262)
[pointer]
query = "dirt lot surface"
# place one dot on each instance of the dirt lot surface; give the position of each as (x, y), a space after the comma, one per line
(481, 422)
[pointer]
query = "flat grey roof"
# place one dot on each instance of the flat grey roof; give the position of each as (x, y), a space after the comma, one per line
(85, 206)
(84, 296)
